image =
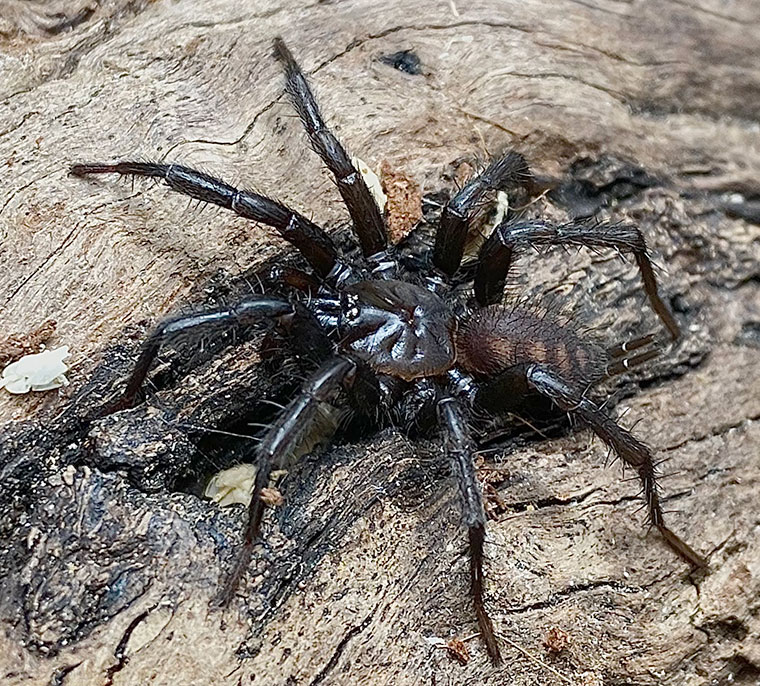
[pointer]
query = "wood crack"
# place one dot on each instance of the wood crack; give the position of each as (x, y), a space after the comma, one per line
(120, 653)
(575, 589)
(551, 501)
(338, 652)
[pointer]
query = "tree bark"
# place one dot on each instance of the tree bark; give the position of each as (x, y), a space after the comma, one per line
(643, 112)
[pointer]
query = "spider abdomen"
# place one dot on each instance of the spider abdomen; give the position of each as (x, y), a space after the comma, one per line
(400, 329)
(497, 338)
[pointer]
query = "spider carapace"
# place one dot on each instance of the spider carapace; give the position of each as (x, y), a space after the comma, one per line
(391, 333)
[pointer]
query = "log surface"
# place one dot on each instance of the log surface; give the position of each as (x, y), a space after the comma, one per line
(641, 111)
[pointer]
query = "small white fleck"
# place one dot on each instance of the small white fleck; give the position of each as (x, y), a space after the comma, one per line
(434, 640)
(32, 537)
(502, 208)
(68, 475)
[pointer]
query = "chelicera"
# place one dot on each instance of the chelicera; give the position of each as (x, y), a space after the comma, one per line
(403, 334)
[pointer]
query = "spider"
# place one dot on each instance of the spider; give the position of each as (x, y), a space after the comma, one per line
(408, 335)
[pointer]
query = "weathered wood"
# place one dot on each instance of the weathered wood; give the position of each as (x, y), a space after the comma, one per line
(643, 111)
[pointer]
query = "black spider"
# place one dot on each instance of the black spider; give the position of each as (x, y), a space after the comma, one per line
(394, 335)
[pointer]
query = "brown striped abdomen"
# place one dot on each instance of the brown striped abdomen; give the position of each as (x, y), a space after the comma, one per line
(496, 338)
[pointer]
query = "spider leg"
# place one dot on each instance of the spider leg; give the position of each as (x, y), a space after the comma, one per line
(366, 216)
(298, 421)
(627, 446)
(455, 218)
(629, 354)
(623, 349)
(623, 364)
(460, 447)
(496, 256)
(248, 311)
(308, 238)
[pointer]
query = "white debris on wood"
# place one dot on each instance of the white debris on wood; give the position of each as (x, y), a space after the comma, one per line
(373, 182)
(502, 207)
(435, 641)
(39, 372)
(232, 486)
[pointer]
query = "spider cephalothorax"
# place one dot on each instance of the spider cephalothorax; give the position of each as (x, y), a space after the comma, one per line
(392, 334)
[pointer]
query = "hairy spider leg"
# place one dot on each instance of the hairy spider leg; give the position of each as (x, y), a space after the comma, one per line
(451, 236)
(299, 418)
(308, 238)
(250, 310)
(497, 253)
(622, 349)
(627, 447)
(368, 222)
(626, 355)
(623, 364)
(460, 448)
